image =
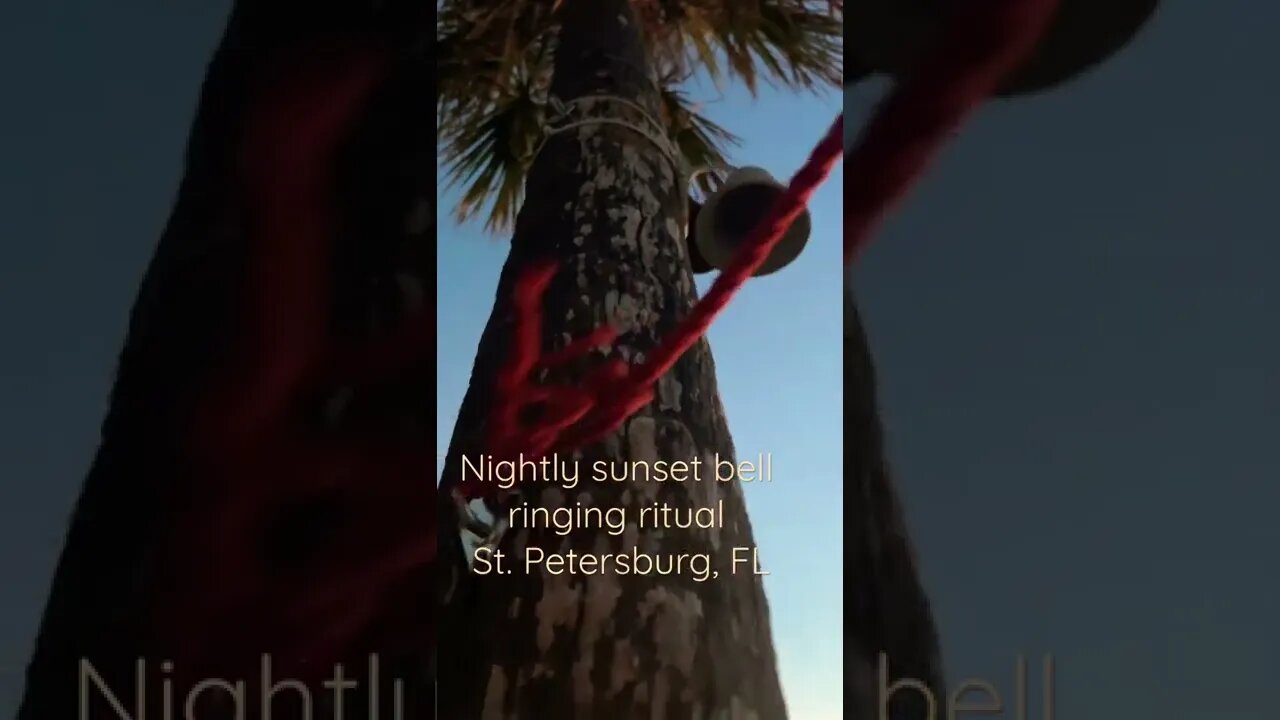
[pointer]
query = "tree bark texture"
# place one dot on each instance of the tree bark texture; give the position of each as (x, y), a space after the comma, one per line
(608, 205)
(183, 319)
(886, 606)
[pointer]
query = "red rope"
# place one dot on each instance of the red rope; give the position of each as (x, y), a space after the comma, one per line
(983, 44)
(264, 462)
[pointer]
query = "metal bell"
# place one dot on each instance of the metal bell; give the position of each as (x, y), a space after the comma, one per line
(719, 226)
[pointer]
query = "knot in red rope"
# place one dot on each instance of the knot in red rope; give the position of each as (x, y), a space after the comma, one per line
(565, 416)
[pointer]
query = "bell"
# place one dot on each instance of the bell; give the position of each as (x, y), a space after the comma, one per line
(886, 36)
(719, 226)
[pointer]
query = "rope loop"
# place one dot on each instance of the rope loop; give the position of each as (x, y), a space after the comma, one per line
(570, 114)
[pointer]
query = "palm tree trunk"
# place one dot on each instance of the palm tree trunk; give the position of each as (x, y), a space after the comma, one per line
(605, 202)
(890, 614)
(179, 326)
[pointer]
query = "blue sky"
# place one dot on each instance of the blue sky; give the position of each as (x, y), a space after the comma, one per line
(778, 358)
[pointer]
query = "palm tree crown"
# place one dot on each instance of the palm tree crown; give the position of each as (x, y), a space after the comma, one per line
(494, 67)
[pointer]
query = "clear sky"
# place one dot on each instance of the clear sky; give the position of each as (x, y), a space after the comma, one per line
(778, 362)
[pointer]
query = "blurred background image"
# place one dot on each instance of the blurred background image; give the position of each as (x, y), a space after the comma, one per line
(1072, 319)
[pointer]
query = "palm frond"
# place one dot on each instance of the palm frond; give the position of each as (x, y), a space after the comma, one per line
(493, 61)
